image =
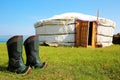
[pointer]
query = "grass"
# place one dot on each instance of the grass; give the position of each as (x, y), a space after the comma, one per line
(69, 63)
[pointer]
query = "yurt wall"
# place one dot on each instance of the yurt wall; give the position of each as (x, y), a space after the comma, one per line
(57, 31)
(105, 32)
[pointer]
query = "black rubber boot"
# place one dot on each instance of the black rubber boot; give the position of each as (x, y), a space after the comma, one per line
(32, 52)
(15, 63)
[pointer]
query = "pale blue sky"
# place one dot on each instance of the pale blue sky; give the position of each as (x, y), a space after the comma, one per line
(19, 16)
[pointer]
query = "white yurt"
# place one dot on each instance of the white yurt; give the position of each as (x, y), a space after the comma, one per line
(75, 29)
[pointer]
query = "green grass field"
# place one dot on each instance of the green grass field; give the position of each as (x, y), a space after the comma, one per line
(69, 63)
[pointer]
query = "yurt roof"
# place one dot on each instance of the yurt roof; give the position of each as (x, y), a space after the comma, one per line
(73, 16)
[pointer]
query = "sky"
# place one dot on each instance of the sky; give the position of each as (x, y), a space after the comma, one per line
(17, 17)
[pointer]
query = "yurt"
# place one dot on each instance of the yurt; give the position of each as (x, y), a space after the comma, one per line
(75, 29)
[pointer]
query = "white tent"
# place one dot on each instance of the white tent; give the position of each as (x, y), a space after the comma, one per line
(75, 29)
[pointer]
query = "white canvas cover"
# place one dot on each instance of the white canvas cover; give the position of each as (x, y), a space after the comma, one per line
(61, 29)
(67, 39)
(105, 31)
(60, 32)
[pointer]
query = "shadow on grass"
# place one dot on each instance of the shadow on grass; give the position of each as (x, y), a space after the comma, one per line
(3, 68)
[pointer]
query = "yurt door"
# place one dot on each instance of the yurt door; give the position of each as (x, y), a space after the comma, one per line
(82, 33)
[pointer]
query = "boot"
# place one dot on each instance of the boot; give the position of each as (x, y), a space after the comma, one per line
(15, 63)
(32, 52)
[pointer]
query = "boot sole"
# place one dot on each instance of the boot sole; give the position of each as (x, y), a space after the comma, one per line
(28, 71)
(46, 65)
(38, 67)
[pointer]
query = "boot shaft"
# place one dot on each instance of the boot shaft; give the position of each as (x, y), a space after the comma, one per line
(14, 46)
(31, 45)
(32, 50)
